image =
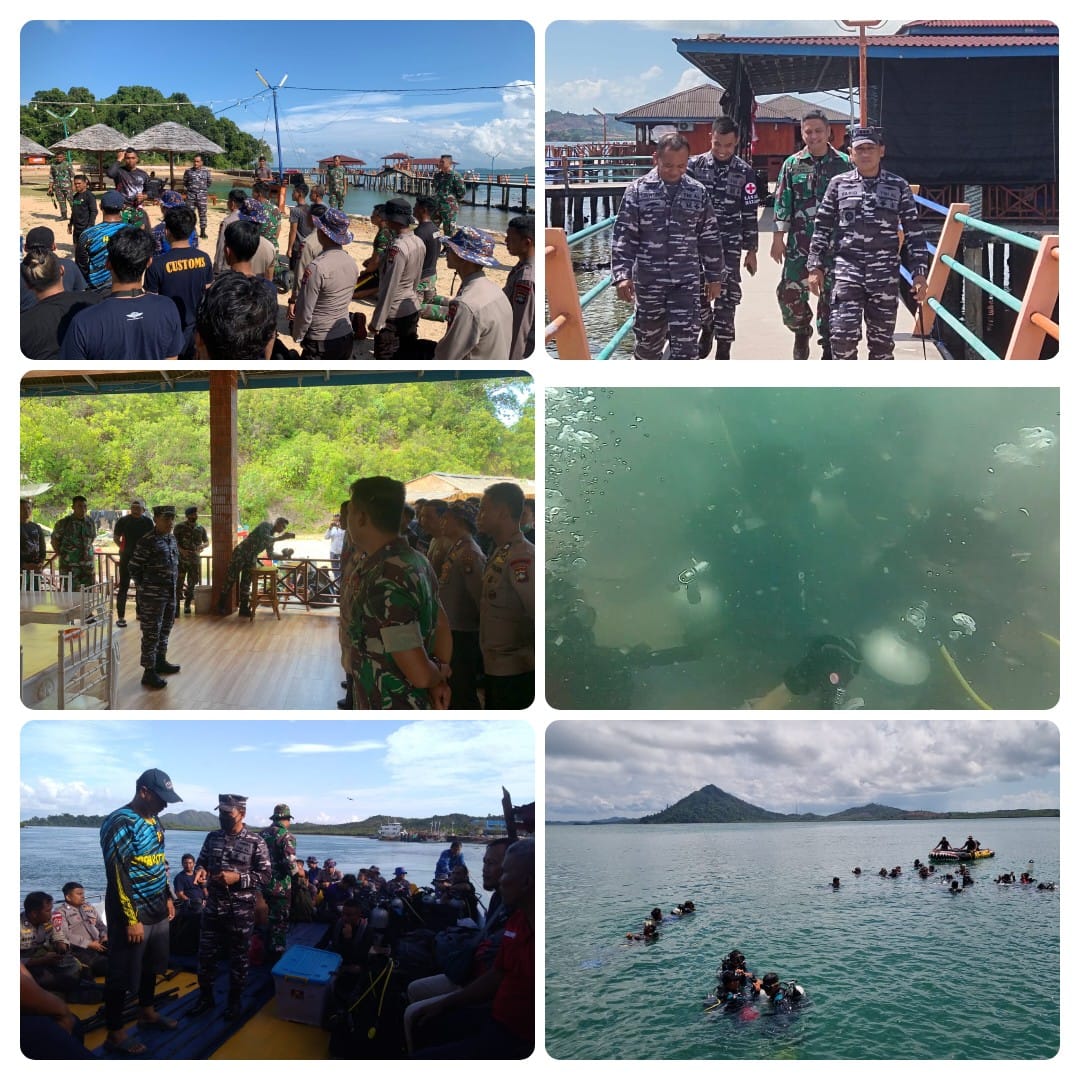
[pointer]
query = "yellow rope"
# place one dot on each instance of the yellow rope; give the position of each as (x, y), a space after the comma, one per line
(962, 681)
(1050, 637)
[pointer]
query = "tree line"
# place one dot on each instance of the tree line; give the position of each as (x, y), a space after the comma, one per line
(298, 448)
(121, 110)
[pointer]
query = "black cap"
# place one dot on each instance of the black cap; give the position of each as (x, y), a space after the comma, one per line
(232, 802)
(862, 135)
(166, 510)
(40, 236)
(159, 783)
(191, 510)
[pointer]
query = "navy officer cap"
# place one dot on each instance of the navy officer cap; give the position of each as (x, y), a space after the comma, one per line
(232, 802)
(168, 510)
(862, 135)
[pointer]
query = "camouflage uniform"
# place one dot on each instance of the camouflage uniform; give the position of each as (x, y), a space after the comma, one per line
(336, 185)
(197, 184)
(190, 539)
(245, 558)
(278, 891)
(447, 189)
(61, 184)
(73, 541)
(732, 186)
(153, 568)
(860, 219)
(799, 188)
(272, 226)
(664, 236)
(229, 916)
(394, 606)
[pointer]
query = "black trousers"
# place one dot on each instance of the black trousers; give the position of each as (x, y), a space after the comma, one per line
(509, 691)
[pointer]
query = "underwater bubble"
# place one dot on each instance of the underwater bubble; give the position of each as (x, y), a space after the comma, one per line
(578, 563)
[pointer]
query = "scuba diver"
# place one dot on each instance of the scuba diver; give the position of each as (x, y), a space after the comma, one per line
(829, 664)
(685, 908)
(648, 933)
(732, 993)
(784, 997)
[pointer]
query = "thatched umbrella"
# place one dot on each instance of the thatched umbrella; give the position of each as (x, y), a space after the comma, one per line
(98, 138)
(28, 146)
(173, 138)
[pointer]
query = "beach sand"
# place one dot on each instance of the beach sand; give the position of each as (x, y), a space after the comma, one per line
(35, 208)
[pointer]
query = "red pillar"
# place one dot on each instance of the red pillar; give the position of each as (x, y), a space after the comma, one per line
(223, 500)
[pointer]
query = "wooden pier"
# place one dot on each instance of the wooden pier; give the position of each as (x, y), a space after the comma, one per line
(603, 199)
(501, 191)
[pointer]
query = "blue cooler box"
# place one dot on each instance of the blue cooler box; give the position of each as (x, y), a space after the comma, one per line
(303, 979)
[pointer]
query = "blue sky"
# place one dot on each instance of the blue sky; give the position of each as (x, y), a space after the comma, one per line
(819, 763)
(326, 770)
(404, 64)
(638, 62)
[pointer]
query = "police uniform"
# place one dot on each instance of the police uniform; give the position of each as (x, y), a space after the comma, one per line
(398, 304)
(336, 183)
(520, 289)
(197, 184)
(460, 588)
(507, 631)
(281, 847)
(732, 187)
(799, 189)
(664, 235)
(859, 220)
(229, 916)
(73, 542)
(190, 541)
(61, 184)
(154, 566)
(478, 323)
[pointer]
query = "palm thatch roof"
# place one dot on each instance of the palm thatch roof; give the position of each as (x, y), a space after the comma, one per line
(175, 138)
(28, 146)
(98, 137)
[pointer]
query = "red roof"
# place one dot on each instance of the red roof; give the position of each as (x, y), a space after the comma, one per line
(345, 160)
(907, 41)
(398, 156)
(978, 22)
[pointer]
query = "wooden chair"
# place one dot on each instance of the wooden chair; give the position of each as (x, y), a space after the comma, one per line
(86, 672)
(264, 582)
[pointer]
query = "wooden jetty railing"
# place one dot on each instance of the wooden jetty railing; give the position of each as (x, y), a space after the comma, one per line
(1034, 309)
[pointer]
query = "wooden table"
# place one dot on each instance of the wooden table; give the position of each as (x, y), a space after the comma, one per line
(49, 607)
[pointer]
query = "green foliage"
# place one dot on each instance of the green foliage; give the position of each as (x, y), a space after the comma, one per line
(121, 110)
(299, 448)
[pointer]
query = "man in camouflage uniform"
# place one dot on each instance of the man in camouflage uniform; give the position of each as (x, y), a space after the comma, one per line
(73, 540)
(396, 630)
(799, 188)
(665, 235)
(448, 189)
(245, 558)
(278, 890)
(860, 219)
(336, 184)
(196, 185)
(153, 566)
(732, 187)
(507, 602)
(236, 866)
(191, 539)
(271, 227)
(60, 183)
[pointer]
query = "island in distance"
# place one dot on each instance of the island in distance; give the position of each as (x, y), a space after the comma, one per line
(711, 805)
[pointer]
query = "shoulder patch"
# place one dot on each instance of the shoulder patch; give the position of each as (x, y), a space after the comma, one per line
(451, 312)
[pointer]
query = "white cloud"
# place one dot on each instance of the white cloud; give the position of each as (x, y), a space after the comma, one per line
(327, 748)
(609, 95)
(690, 78)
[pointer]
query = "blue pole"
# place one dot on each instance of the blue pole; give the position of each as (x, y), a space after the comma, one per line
(277, 132)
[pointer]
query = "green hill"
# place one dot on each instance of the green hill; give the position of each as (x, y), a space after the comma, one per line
(710, 804)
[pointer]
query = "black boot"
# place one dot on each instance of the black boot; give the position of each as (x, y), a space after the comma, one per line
(163, 667)
(826, 349)
(203, 1005)
(232, 1010)
(704, 346)
(723, 350)
(152, 680)
(244, 612)
(802, 345)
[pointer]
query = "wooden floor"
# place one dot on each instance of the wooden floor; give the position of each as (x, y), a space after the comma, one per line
(235, 663)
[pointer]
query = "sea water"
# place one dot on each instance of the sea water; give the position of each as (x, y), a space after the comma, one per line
(698, 539)
(50, 857)
(892, 968)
